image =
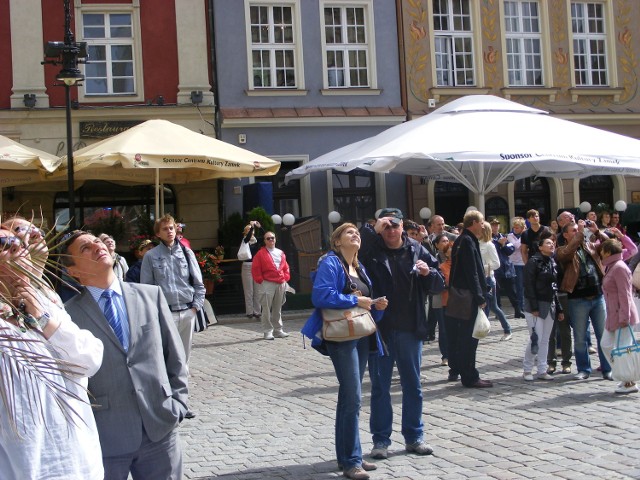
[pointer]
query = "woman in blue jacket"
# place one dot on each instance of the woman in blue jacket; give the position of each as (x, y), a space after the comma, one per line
(340, 283)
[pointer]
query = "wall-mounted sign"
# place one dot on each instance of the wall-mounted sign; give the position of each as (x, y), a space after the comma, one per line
(98, 129)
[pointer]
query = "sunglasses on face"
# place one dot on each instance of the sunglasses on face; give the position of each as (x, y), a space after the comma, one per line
(392, 226)
(10, 241)
(31, 230)
(270, 238)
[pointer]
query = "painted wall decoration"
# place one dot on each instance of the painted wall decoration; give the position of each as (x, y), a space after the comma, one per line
(418, 36)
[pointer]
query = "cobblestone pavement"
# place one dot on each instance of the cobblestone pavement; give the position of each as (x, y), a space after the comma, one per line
(265, 410)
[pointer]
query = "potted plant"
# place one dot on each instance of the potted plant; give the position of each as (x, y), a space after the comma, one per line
(210, 266)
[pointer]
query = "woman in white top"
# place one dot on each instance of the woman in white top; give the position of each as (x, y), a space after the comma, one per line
(514, 236)
(42, 437)
(491, 262)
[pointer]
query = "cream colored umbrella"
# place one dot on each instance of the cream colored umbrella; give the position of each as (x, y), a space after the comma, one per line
(163, 152)
(21, 165)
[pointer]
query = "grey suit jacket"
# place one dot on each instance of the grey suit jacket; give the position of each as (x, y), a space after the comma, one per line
(146, 386)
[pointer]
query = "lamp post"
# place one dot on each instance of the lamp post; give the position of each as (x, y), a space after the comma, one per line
(68, 54)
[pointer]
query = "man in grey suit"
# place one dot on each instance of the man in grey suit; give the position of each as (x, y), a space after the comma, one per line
(141, 388)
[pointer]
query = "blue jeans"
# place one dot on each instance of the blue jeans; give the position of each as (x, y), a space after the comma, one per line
(405, 350)
(580, 311)
(519, 284)
(349, 361)
(492, 304)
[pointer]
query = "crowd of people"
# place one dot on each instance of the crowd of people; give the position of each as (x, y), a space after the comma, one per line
(126, 332)
(566, 280)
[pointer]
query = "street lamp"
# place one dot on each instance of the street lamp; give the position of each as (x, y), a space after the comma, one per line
(68, 54)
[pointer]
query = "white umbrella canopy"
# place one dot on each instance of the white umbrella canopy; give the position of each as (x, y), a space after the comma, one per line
(482, 141)
(21, 164)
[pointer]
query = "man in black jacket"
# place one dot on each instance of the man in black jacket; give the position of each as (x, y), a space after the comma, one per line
(401, 269)
(467, 273)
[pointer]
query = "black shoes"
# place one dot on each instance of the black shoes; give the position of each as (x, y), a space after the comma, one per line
(189, 415)
(481, 384)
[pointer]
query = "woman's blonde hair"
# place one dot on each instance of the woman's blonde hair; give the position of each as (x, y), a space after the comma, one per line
(335, 236)
(518, 222)
(486, 232)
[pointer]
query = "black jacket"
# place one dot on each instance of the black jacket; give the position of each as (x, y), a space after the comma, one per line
(373, 255)
(466, 266)
(540, 277)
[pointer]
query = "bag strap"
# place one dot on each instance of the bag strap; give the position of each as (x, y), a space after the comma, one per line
(186, 257)
(633, 337)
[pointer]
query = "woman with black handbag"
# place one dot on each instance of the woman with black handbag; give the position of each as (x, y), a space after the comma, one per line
(340, 283)
(541, 306)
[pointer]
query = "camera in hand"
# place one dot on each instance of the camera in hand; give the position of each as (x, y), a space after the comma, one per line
(534, 342)
(588, 223)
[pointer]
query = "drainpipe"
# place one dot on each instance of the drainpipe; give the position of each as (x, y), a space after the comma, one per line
(214, 67)
(216, 104)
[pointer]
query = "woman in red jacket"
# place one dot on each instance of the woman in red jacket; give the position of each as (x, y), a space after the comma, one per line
(271, 273)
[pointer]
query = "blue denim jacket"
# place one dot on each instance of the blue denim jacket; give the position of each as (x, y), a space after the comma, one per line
(328, 284)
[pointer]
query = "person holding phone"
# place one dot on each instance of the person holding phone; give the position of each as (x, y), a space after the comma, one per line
(341, 282)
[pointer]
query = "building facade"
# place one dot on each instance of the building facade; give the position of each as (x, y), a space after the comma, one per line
(297, 79)
(575, 59)
(147, 59)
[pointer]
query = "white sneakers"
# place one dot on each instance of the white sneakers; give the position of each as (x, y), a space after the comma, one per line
(528, 376)
(628, 387)
(506, 337)
(271, 336)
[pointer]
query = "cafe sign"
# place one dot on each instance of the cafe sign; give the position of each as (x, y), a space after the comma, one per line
(105, 129)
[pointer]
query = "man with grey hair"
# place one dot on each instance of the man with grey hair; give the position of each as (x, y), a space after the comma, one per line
(467, 272)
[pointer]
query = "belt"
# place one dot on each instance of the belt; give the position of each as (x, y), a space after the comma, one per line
(178, 309)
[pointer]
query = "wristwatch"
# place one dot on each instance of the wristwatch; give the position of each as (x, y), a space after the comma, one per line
(43, 320)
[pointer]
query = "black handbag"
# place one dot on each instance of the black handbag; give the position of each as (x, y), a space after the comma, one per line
(460, 302)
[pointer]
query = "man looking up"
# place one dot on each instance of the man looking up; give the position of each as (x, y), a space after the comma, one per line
(401, 269)
(270, 271)
(141, 389)
(530, 237)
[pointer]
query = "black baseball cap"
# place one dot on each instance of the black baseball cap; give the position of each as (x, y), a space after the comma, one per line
(394, 214)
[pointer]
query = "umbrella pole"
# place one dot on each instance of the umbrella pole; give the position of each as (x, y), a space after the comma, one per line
(157, 211)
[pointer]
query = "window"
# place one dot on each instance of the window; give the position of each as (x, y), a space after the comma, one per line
(286, 197)
(453, 43)
(110, 45)
(523, 40)
(533, 193)
(273, 53)
(597, 189)
(121, 211)
(346, 43)
(589, 43)
(354, 195)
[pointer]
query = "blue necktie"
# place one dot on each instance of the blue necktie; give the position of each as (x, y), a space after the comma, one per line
(111, 313)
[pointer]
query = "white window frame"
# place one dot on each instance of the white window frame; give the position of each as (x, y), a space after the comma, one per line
(585, 39)
(295, 46)
(451, 36)
(368, 46)
(138, 78)
(521, 64)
